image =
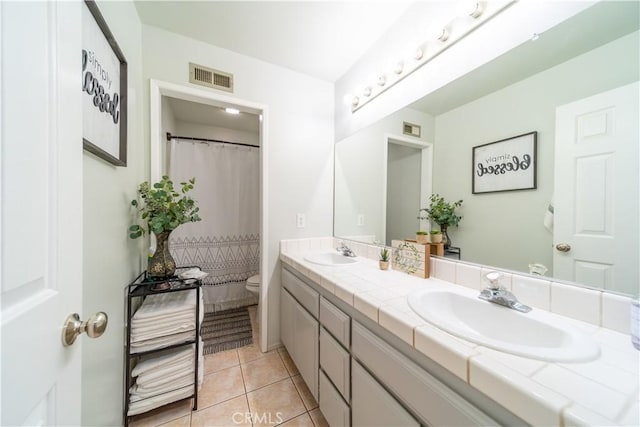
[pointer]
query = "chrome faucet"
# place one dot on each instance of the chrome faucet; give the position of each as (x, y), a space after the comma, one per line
(345, 250)
(500, 295)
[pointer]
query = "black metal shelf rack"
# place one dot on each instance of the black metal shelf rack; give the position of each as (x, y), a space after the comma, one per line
(141, 287)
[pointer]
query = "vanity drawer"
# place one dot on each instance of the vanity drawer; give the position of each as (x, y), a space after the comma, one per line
(336, 322)
(306, 296)
(334, 361)
(434, 402)
(334, 409)
(372, 405)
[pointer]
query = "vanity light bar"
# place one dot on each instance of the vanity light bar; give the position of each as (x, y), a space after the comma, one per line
(443, 38)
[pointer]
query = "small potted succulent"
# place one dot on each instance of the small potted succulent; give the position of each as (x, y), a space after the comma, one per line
(422, 237)
(384, 259)
(436, 236)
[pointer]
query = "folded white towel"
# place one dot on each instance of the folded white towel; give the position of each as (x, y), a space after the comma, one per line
(161, 331)
(140, 406)
(158, 361)
(164, 319)
(193, 273)
(167, 303)
(171, 369)
(163, 384)
(154, 343)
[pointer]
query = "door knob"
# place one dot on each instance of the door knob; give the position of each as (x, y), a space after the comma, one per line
(94, 326)
(563, 247)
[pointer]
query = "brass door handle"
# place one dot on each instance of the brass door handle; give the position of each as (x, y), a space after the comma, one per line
(94, 326)
(563, 247)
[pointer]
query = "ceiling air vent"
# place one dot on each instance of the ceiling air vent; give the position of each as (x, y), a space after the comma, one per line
(210, 77)
(411, 129)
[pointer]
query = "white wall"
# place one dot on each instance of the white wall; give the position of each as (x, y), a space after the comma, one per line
(111, 259)
(513, 26)
(515, 218)
(300, 138)
(360, 181)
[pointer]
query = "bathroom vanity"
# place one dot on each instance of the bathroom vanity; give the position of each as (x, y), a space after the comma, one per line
(369, 359)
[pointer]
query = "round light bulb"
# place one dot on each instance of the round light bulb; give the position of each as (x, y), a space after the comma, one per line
(418, 54)
(367, 91)
(444, 35)
(438, 32)
(398, 68)
(470, 8)
(355, 101)
(382, 80)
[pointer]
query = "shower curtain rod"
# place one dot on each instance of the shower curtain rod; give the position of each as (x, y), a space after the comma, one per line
(205, 140)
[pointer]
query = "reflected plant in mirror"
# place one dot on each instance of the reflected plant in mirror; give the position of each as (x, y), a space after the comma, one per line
(442, 213)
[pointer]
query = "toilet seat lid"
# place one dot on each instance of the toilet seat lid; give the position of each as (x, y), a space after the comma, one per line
(254, 280)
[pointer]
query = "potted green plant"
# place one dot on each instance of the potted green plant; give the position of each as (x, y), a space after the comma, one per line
(442, 213)
(162, 209)
(384, 259)
(436, 236)
(422, 237)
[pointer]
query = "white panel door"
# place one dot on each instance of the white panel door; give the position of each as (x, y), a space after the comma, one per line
(41, 210)
(596, 190)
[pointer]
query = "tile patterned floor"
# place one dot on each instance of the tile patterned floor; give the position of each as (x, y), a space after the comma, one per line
(244, 387)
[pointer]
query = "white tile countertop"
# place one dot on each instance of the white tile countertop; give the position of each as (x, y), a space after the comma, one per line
(602, 392)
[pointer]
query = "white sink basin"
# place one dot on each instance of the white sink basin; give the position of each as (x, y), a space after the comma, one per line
(330, 258)
(537, 334)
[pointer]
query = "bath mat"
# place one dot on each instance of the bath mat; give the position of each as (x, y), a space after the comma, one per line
(224, 330)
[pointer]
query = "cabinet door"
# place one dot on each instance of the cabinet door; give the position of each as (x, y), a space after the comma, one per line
(372, 405)
(287, 303)
(305, 344)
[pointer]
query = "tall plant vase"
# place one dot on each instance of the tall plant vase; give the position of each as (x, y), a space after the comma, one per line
(161, 263)
(445, 236)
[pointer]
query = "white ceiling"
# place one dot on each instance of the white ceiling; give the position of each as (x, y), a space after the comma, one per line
(320, 38)
(210, 115)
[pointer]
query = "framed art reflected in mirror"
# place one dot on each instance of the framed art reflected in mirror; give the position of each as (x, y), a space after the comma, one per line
(505, 165)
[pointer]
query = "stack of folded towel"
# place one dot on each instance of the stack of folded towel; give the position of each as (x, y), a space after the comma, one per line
(163, 377)
(164, 319)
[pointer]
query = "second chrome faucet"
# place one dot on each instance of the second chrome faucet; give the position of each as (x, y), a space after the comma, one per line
(345, 250)
(498, 294)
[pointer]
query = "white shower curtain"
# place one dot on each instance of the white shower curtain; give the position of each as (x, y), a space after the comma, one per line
(226, 242)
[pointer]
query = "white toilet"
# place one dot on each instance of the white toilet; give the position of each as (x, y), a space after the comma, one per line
(253, 284)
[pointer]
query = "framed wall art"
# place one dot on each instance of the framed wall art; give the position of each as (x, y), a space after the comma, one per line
(505, 165)
(104, 89)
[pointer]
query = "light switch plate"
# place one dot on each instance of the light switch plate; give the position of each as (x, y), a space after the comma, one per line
(301, 220)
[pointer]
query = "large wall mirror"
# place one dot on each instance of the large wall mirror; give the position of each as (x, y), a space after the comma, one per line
(383, 177)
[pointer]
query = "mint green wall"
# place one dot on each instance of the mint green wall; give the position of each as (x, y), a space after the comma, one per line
(111, 259)
(506, 229)
(360, 176)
